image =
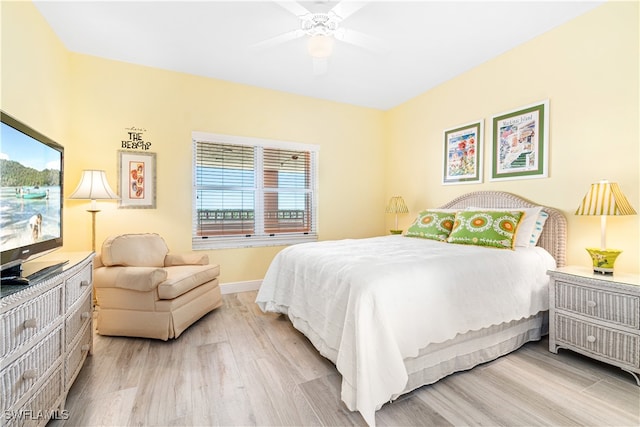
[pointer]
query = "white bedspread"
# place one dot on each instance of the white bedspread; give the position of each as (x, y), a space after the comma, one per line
(368, 304)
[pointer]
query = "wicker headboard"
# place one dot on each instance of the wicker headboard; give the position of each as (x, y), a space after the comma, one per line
(554, 233)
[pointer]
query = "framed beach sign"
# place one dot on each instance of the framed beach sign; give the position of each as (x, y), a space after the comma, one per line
(463, 154)
(137, 180)
(520, 143)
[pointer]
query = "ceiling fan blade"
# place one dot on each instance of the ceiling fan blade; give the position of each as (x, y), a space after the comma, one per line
(282, 38)
(370, 43)
(344, 9)
(320, 66)
(293, 7)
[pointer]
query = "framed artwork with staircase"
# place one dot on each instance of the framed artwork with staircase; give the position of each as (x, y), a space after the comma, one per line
(520, 143)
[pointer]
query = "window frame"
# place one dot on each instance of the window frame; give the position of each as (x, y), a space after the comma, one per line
(260, 238)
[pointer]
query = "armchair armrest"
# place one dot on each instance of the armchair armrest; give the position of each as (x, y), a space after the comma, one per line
(186, 259)
(97, 261)
(141, 279)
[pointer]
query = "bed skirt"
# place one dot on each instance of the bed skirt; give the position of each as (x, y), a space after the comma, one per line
(461, 353)
(465, 351)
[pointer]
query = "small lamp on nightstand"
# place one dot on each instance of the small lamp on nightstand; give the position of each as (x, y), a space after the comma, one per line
(396, 205)
(604, 198)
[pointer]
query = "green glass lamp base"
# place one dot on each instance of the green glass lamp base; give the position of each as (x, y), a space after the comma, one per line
(396, 231)
(603, 259)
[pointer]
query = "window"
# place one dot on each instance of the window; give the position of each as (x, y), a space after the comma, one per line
(252, 192)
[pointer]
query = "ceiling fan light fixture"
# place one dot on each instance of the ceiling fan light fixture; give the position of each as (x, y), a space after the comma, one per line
(320, 46)
(319, 24)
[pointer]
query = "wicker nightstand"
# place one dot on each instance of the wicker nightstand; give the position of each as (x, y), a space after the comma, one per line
(596, 315)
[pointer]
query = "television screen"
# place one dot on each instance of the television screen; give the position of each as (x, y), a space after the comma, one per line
(31, 178)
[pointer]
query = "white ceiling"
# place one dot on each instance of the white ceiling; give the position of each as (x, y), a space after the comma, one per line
(428, 42)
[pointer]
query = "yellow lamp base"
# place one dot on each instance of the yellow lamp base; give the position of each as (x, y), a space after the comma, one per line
(603, 259)
(395, 231)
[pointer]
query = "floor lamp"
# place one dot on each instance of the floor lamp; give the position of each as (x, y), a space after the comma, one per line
(93, 186)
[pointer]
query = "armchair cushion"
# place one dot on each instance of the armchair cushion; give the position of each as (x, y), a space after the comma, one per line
(183, 278)
(141, 279)
(140, 250)
(186, 259)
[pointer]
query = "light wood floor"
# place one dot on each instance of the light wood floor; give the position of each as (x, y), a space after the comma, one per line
(240, 367)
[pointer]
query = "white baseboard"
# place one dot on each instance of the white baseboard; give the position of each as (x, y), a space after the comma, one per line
(235, 287)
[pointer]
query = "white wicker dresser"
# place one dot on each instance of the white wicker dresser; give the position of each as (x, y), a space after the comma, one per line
(46, 334)
(596, 315)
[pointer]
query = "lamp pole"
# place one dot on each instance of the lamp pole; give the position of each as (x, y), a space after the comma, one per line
(93, 227)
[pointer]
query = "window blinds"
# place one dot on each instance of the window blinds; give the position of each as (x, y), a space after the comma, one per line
(249, 191)
(225, 189)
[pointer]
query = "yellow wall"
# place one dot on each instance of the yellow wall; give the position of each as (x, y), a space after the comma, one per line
(110, 96)
(588, 69)
(35, 83)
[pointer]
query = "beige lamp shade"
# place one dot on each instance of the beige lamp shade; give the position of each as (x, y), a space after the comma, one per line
(93, 185)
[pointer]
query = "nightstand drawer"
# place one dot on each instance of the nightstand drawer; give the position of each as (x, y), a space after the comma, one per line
(612, 307)
(619, 346)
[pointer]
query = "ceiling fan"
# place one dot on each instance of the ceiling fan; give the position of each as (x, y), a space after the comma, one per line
(322, 29)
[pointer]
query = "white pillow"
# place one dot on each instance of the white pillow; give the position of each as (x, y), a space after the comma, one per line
(537, 230)
(527, 226)
(447, 210)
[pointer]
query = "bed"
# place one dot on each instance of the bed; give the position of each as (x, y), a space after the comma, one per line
(394, 313)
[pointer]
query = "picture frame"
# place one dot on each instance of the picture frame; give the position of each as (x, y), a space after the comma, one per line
(520, 143)
(137, 179)
(462, 154)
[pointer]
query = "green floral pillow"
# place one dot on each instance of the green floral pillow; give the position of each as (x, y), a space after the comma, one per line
(486, 228)
(434, 225)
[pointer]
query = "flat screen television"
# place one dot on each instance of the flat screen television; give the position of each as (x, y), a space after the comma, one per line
(31, 198)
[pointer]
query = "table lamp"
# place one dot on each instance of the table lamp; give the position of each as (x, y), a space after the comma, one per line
(93, 185)
(395, 206)
(604, 198)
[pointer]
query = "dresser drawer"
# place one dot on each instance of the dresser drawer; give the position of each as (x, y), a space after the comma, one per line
(609, 306)
(79, 317)
(23, 375)
(77, 354)
(619, 346)
(26, 321)
(33, 413)
(78, 285)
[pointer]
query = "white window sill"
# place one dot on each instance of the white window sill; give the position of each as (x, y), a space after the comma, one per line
(200, 243)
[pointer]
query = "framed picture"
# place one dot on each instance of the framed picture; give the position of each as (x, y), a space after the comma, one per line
(137, 180)
(520, 143)
(463, 154)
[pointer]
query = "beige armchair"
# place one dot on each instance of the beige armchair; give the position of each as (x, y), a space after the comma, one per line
(144, 291)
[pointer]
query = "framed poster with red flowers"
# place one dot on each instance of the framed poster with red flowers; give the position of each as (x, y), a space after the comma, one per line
(520, 143)
(137, 180)
(463, 154)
